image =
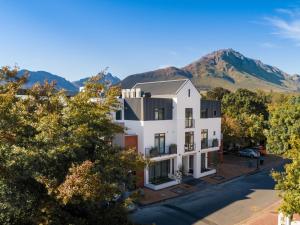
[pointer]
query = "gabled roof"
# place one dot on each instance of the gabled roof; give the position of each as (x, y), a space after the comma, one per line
(168, 87)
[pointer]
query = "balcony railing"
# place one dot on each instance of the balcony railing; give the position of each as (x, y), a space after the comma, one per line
(189, 123)
(156, 152)
(209, 143)
(189, 147)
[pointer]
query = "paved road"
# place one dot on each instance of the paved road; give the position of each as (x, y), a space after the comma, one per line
(224, 204)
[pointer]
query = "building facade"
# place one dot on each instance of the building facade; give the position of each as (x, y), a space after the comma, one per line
(177, 131)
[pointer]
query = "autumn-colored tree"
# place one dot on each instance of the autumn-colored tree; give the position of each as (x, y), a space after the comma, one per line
(57, 163)
(283, 137)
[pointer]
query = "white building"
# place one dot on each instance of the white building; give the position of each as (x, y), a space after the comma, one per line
(173, 127)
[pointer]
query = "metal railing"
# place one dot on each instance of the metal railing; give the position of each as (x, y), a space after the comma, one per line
(189, 147)
(189, 123)
(156, 152)
(209, 143)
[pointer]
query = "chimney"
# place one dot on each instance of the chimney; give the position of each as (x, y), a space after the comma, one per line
(138, 92)
(123, 93)
(127, 93)
(132, 93)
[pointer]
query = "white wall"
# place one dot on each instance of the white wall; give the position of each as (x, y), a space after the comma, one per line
(212, 124)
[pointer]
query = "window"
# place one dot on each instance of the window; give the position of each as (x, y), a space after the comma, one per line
(204, 113)
(119, 115)
(159, 170)
(189, 92)
(204, 138)
(215, 113)
(159, 113)
(214, 133)
(189, 122)
(159, 142)
(189, 137)
(189, 141)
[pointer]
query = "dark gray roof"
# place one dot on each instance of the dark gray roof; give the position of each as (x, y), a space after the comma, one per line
(169, 87)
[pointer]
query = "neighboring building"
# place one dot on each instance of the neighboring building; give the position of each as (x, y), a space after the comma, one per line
(169, 123)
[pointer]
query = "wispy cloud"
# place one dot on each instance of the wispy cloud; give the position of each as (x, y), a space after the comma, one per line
(286, 24)
(268, 45)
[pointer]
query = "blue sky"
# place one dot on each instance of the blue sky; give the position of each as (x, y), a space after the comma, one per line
(77, 38)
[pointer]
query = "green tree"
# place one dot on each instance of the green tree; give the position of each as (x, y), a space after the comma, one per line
(217, 93)
(57, 163)
(244, 117)
(283, 137)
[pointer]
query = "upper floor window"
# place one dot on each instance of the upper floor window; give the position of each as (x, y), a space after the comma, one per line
(189, 92)
(119, 115)
(159, 113)
(189, 121)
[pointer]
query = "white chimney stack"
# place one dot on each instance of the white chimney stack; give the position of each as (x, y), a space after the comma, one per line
(127, 93)
(123, 93)
(138, 92)
(132, 93)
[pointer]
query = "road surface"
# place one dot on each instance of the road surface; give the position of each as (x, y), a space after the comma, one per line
(224, 204)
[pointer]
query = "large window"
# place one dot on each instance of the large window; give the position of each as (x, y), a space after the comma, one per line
(159, 142)
(189, 141)
(204, 138)
(159, 171)
(159, 113)
(189, 121)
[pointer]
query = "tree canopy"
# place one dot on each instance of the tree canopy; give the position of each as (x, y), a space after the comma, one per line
(57, 163)
(283, 137)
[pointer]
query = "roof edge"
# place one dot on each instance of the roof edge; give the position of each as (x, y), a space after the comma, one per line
(160, 81)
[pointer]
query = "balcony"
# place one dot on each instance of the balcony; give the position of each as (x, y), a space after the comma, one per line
(189, 147)
(189, 123)
(209, 143)
(156, 152)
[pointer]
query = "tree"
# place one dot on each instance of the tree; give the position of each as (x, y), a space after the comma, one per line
(217, 93)
(57, 163)
(283, 137)
(244, 118)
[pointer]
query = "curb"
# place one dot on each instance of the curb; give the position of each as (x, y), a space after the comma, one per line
(222, 183)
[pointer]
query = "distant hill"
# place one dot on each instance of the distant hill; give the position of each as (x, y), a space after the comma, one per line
(107, 78)
(41, 76)
(224, 68)
(62, 83)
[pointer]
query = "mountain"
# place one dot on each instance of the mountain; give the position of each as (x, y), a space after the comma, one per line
(41, 76)
(107, 78)
(224, 68)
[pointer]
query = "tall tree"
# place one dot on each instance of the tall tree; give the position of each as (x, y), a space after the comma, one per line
(244, 117)
(57, 163)
(283, 137)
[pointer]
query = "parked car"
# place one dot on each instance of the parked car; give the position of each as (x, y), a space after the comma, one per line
(249, 152)
(262, 150)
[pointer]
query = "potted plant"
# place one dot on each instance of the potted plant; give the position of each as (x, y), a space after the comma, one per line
(173, 149)
(153, 151)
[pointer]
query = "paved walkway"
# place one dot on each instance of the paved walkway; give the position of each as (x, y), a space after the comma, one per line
(268, 216)
(232, 167)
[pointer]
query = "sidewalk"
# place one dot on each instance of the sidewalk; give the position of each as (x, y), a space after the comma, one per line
(268, 216)
(231, 168)
(235, 166)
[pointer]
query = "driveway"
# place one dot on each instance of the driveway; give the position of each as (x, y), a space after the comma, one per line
(224, 204)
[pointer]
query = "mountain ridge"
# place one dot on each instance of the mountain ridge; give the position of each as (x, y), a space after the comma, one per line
(225, 68)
